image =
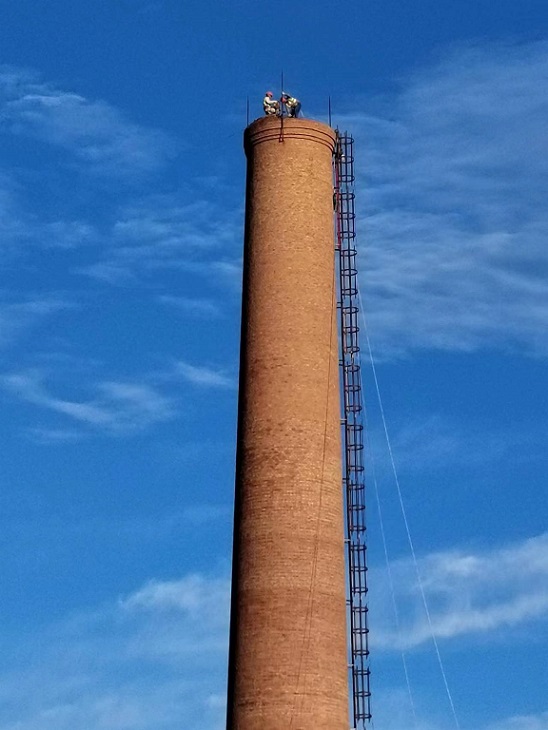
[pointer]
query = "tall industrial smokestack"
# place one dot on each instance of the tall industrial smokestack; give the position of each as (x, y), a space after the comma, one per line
(288, 658)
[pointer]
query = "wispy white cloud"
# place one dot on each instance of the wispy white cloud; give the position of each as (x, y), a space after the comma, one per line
(24, 228)
(437, 442)
(203, 375)
(16, 317)
(192, 595)
(522, 722)
(93, 131)
(191, 306)
(109, 272)
(151, 660)
(453, 180)
(125, 665)
(392, 711)
(22, 231)
(135, 235)
(162, 232)
(469, 593)
(42, 435)
(172, 224)
(64, 234)
(110, 529)
(433, 442)
(119, 407)
(230, 270)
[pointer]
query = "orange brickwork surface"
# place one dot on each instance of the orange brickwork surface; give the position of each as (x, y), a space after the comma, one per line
(288, 659)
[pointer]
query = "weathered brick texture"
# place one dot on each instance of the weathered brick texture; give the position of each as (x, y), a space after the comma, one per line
(288, 642)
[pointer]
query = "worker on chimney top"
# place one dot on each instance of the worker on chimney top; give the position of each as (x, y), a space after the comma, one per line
(292, 105)
(271, 106)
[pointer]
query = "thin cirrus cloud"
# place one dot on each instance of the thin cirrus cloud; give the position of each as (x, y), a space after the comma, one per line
(469, 594)
(193, 594)
(93, 131)
(118, 408)
(202, 375)
(18, 317)
(136, 235)
(162, 232)
(438, 442)
(452, 181)
(154, 657)
(145, 661)
(523, 722)
(23, 229)
(191, 306)
(392, 712)
(452, 176)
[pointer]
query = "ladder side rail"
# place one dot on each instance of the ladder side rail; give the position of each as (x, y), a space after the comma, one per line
(341, 228)
(352, 431)
(347, 349)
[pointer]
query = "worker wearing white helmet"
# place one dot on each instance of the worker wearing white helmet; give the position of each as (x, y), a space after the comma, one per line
(292, 105)
(271, 106)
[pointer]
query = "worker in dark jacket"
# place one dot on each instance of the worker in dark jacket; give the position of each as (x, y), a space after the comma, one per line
(292, 105)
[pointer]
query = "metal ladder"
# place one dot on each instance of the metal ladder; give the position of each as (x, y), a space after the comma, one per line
(352, 429)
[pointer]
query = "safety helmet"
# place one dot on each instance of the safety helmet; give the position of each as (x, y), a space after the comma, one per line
(269, 93)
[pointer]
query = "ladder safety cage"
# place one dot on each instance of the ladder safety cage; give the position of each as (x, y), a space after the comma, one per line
(352, 428)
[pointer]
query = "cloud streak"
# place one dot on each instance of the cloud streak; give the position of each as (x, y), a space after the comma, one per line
(454, 180)
(437, 442)
(156, 657)
(203, 376)
(193, 595)
(148, 661)
(522, 722)
(93, 131)
(17, 317)
(193, 307)
(469, 594)
(163, 232)
(118, 408)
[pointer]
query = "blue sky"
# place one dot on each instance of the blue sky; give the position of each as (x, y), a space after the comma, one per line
(121, 190)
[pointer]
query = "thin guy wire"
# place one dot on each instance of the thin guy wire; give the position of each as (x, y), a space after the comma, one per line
(389, 570)
(404, 515)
